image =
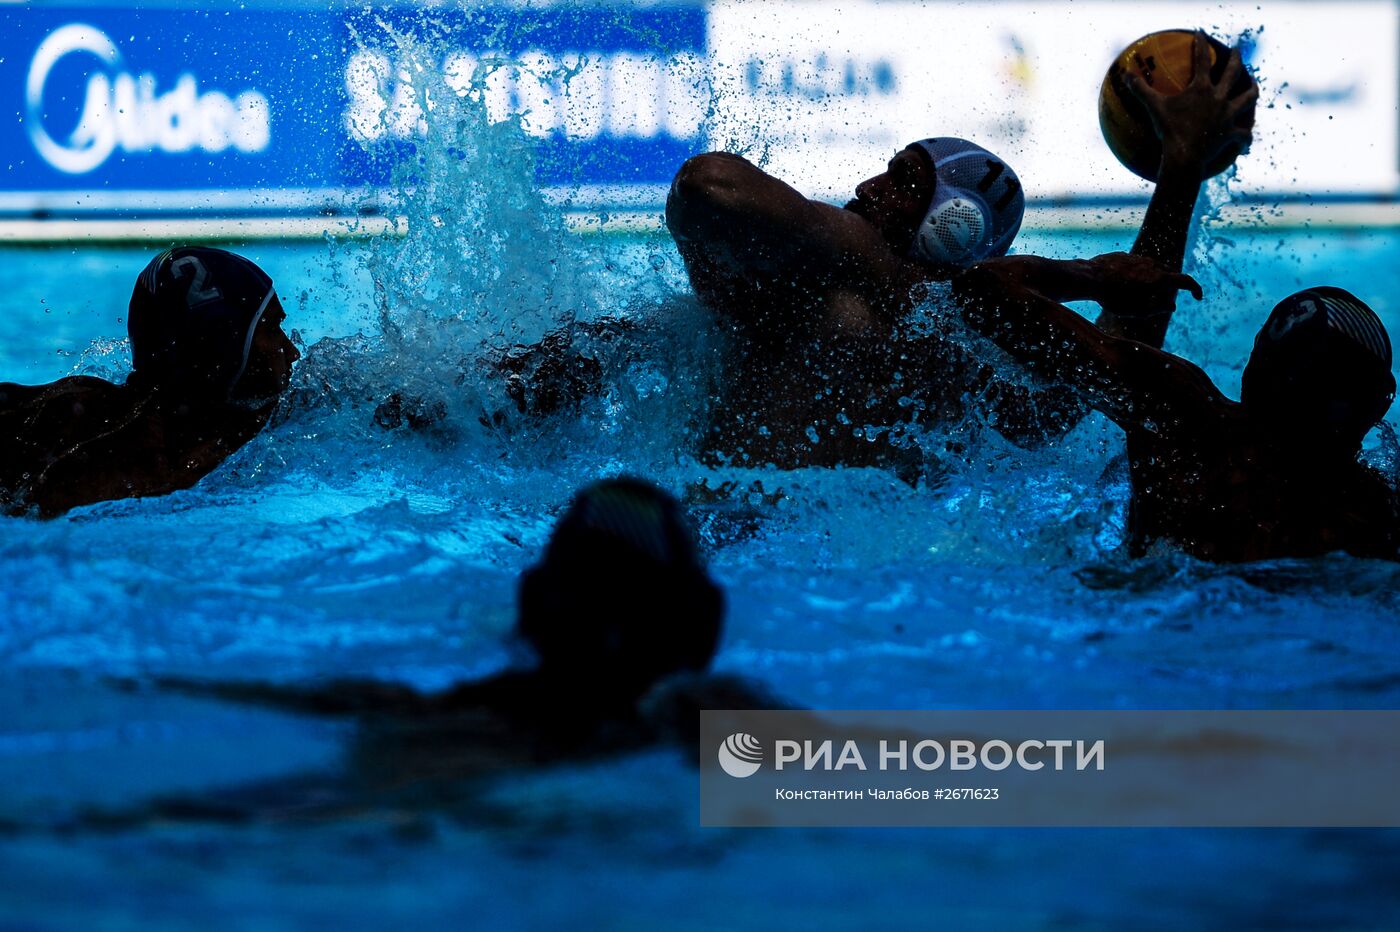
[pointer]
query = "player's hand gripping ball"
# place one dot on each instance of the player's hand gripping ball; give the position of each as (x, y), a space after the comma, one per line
(1164, 63)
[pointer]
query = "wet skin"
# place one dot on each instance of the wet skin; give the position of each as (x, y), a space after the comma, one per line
(82, 440)
(815, 296)
(814, 299)
(1223, 480)
(415, 753)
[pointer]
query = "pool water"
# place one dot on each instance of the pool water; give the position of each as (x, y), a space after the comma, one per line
(332, 547)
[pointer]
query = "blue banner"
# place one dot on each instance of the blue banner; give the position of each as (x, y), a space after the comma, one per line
(266, 108)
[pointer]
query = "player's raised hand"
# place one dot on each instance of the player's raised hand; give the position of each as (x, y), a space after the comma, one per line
(1208, 116)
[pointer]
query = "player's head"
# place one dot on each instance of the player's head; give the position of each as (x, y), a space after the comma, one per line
(1321, 367)
(945, 201)
(621, 594)
(208, 324)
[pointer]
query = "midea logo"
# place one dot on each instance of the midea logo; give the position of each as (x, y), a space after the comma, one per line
(124, 110)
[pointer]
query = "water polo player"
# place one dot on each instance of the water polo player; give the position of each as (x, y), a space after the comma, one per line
(210, 361)
(814, 298)
(815, 295)
(623, 620)
(1275, 474)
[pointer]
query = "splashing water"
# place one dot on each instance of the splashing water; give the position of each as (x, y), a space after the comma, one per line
(481, 263)
(336, 546)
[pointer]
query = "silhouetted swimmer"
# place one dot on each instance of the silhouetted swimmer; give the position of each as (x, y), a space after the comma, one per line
(817, 296)
(623, 619)
(823, 362)
(210, 361)
(1275, 474)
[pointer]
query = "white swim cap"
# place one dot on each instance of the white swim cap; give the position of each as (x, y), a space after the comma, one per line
(977, 205)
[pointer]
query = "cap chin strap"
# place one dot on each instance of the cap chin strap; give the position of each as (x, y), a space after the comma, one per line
(248, 338)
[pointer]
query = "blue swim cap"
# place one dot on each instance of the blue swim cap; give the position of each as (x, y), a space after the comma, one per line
(976, 208)
(192, 316)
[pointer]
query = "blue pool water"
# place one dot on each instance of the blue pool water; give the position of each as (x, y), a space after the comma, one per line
(329, 547)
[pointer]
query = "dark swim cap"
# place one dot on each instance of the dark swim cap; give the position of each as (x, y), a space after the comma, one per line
(1323, 353)
(621, 591)
(1323, 314)
(976, 208)
(192, 316)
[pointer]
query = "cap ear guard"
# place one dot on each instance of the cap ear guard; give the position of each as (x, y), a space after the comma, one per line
(951, 231)
(976, 208)
(248, 338)
(150, 276)
(1353, 318)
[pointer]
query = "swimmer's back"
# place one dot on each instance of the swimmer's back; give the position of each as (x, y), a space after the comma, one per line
(57, 437)
(60, 413)
(74, 396)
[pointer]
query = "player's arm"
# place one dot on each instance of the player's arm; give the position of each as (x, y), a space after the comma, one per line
(14, 398)
(1014, 302)
(1030, 416)
(333, 698)
(672, 707)
(731, 220)
(1194, 126)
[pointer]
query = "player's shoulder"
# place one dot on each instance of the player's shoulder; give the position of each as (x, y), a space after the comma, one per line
(63, 412)
(78, 395)
(1193, 382)
(14, 395)
(1372, 505)
(1371, 484)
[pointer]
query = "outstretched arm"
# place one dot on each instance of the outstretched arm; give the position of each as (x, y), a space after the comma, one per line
(1015, 302)
(333, 698)
(1195, 126)
(1031, 416)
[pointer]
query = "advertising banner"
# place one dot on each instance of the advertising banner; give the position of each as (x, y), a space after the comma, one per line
(264, 108)
(274, 109)
(828, 97)
(107, 101)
